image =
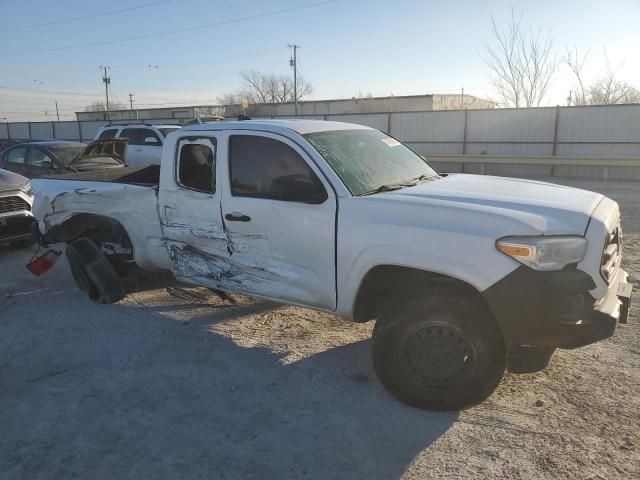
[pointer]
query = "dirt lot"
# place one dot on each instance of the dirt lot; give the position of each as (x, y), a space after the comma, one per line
(176, 383)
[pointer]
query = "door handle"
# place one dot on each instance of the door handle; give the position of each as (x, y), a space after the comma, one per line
(238, 217)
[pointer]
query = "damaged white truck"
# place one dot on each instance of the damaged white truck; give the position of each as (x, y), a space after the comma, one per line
(465, 275)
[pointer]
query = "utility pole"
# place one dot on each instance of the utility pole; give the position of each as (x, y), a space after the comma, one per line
(294, 64)
(462, 100)
(57, 112)
(107, 81)
(131, 100)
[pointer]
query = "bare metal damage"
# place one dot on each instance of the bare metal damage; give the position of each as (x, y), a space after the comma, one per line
(193, 265)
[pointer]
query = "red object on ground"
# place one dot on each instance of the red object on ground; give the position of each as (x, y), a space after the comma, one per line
(41, 265)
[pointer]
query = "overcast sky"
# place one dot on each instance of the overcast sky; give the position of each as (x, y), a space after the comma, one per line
(380, 47)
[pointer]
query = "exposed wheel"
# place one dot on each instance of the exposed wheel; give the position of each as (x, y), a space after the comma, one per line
(441, 352)
(93, 273)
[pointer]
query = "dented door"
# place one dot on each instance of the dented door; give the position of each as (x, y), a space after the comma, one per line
(189, 204)
(279, 214)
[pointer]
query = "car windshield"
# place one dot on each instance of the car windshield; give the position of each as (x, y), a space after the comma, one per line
(369, 161)
(66, 153)
(167, 131)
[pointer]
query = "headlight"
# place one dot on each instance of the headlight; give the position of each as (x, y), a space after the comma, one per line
(544, 253)
(27, 189)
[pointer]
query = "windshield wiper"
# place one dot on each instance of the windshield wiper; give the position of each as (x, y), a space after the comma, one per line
(421, 178)
(384, 188)
(396, 186)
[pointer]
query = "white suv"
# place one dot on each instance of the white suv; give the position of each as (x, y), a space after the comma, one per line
(144, 141)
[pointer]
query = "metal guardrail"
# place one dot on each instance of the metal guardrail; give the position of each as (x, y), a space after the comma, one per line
(551, 161)
(529, 160)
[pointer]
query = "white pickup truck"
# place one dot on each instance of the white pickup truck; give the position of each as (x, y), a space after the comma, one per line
(465, 275)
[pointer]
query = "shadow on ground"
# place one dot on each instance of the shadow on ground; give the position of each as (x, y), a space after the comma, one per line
(123, 392)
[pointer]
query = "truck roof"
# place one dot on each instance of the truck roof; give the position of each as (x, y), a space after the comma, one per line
(300, 126)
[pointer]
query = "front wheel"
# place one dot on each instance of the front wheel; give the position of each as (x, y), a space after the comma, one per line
(441, 352)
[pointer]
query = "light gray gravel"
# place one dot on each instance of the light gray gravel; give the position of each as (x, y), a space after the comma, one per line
(175, 383)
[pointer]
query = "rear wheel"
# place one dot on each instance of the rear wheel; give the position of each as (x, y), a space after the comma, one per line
(93, 272)
(441, 352)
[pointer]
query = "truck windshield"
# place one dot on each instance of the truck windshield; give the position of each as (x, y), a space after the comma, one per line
(369, 161)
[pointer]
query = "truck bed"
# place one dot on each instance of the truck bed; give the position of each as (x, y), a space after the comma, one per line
(148, 176)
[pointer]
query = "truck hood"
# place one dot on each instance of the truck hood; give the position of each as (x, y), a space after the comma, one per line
(11, 181)
(548, 208)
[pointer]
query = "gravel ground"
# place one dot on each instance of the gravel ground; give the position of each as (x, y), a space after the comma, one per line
(177, 383)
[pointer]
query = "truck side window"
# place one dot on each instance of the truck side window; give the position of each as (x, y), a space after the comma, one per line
(148, 133)
(108, 133)
(133, 135)
(262, 167)
(196, 167)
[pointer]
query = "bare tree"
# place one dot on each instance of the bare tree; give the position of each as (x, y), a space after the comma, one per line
(607, 90)
(522, 63)
(576, 64)
(261, 87)
(99, 106)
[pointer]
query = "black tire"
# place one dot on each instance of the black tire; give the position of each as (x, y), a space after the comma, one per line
(93, 273)
(440, 352)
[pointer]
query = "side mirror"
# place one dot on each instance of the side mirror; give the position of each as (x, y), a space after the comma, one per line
(48, 165)
(151, 141)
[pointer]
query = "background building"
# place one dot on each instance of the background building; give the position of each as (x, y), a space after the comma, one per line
(410, 103)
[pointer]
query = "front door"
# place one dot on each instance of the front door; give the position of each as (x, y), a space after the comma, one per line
(280, 215)
(189, 204)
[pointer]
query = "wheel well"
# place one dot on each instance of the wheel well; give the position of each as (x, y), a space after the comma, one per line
(386, 283)
(108, 234)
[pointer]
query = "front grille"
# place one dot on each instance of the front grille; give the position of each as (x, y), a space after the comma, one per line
(612, 253)
(13, 204)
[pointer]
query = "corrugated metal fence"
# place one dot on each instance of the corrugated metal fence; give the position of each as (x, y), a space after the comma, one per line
(611, 131)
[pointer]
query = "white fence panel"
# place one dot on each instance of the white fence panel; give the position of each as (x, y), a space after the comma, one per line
(510, 149)
(609, 150)
(428, 126)
(525, 125)
(376, 120)
(41, 130)
(290, 117)
(611, 123)
(19, 131)
(88, 130)
(430, 148)
(4, 130)
(68, 131)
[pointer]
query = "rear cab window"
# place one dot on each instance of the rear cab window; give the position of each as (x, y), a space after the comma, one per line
(196, 165)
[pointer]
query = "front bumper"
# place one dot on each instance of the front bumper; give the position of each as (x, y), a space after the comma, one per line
(16, 227)
(555, 309)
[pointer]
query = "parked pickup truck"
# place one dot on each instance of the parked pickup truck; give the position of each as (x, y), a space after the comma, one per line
(465, 275)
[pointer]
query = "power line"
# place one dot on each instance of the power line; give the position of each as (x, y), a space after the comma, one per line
(182, 30)
(85, 17)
